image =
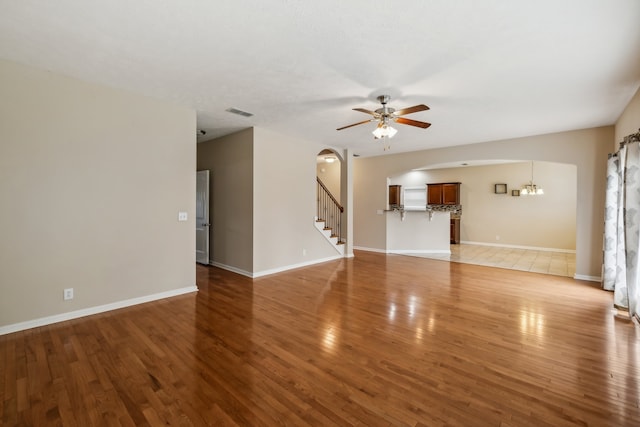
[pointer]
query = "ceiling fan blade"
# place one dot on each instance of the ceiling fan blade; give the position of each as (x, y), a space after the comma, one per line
(410, 122)
(356, 124)
(364, 110)
(410, 110)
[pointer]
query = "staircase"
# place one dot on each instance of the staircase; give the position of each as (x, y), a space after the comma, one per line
(329, 218)
(327, 232)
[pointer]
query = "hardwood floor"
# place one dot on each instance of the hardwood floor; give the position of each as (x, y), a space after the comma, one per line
(377, 340)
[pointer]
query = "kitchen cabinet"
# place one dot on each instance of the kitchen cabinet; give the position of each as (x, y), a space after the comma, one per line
(454, 232)
(444, 193)
(394, 196)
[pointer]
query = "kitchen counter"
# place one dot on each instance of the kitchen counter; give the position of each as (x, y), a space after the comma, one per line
(418, 231)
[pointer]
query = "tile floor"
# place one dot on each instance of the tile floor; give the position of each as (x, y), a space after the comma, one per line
(556, 263)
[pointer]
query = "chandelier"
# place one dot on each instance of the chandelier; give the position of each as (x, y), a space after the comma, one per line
(531, 188)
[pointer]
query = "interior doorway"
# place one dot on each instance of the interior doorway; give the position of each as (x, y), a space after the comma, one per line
(202, 217)
(330, 194)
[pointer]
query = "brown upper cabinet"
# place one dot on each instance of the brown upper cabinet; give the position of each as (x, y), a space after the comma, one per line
(443, 193)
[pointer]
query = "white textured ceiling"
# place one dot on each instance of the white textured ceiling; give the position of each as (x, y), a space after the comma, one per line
(490, 69)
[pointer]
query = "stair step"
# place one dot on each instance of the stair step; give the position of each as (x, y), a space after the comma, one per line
(328, 233)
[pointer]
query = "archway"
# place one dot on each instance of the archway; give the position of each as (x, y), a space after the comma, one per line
(329, 192)
(329, 171)
(543, 225)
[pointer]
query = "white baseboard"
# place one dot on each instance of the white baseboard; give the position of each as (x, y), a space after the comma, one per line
(362, 248)
(43, 321)
(232, 269)
(531, 248)
(589, 278)
(292, 266)
(274, 270)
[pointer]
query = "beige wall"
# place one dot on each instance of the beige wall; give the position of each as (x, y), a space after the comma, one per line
(230, 162)
(91, 182)
(587, 149)
(547, 222)
(285, 203)
(263, 202)
(628, 122)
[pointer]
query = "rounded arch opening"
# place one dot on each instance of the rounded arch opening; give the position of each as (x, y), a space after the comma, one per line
(547, 223)
(329, 171)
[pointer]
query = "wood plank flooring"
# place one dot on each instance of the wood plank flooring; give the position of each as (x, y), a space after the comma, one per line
(377, 340)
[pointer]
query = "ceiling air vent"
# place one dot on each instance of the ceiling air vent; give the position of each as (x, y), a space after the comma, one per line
(239, 112)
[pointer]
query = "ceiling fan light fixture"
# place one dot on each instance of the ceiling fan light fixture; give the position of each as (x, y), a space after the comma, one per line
(384, 131)
(391, 132)
(385, 115)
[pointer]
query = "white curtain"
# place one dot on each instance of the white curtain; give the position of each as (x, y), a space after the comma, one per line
(611, 225)
(632, 223)
(621, 269)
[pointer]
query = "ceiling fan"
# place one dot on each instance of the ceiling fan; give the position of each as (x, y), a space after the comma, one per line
(386, 114)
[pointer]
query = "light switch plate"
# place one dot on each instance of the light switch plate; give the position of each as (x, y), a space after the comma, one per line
(182, 216)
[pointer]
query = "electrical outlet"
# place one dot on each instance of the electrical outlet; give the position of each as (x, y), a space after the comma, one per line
(68, 294)
(182, 216)
(304, 252)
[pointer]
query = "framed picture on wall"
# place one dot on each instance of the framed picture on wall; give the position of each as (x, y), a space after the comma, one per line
(515, 193)
(500, 189)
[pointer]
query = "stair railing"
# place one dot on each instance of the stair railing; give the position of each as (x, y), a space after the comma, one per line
(329, 210)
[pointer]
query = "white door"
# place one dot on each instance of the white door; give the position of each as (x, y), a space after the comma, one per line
(202, 217)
